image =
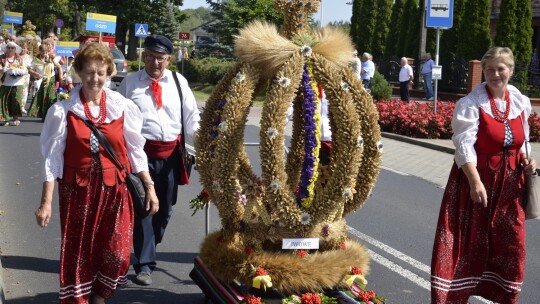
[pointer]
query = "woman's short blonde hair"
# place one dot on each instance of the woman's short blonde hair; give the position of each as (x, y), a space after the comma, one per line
(94, 51)
(499, 53)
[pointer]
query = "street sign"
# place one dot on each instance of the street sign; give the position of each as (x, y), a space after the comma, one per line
(141, 30)
(12, 17)
(66, 48)
(440, 13)
(58, 22)
(183, 36)
(436, 72)
(8, 28)
(101, 23)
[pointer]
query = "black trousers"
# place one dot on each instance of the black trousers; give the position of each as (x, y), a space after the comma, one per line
(404, 90)
(149, 231)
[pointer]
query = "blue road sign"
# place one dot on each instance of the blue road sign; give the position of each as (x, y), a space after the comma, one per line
(440, 13)
(101, 23)
(12, 17)
(141, 30)
(66, 48)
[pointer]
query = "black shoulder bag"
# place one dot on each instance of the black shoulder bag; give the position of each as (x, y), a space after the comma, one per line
(134, 183)
(187, 159)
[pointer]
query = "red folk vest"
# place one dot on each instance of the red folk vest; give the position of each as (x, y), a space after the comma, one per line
(78, 157)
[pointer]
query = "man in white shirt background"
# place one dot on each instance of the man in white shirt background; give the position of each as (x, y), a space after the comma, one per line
(368, 70)
(427, 69)
(406, 77)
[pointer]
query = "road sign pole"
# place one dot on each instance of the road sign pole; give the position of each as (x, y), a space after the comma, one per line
(437, 64)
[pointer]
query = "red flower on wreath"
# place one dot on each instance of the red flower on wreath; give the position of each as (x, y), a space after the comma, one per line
(301, 253)
(356, 270)
(260, 272)
(249, 250)
(310, 298)
(365, 296)
(251, 299)
(343, 246)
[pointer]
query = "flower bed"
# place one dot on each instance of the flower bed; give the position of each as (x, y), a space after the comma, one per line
(418, 119)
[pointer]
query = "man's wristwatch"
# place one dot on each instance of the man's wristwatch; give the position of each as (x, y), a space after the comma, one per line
(149, 184)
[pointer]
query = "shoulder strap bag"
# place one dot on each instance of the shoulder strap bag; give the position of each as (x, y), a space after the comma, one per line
(531, 200)
(134, 183)
(188, 160)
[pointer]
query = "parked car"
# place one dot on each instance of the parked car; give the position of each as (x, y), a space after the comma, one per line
(121, 68)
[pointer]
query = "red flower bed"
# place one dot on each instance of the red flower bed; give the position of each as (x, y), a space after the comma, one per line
(418, 119)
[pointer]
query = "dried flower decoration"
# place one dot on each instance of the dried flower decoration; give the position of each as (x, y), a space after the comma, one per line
(216, 186)
(272, 133)
(251, 299)
(306, 50)
(284, 81)
(348, 193)
(360, 142)
(305, 218)
(239, 77)
(310, 298)
(380, 146)
(345, 86)
(275, 186)
(223, 126)
(262, 279)
(355, 275)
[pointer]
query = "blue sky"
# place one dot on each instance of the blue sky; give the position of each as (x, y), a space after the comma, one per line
(334, 10)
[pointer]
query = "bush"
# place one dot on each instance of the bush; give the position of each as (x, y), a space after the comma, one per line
(419, 121)
(208, 70)
(380, 88)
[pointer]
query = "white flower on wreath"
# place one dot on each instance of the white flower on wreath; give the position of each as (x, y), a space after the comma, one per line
(284, 81)
(274, 185)
(360, 142)
(272, 133)
(240, 77)
(344, 86)
(306, 50)
(216, 186)
(380, 146)
(349, 193)
(305, 218)
(223, 126)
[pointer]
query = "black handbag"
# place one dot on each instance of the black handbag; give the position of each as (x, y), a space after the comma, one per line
(187, 159)
(134, 183)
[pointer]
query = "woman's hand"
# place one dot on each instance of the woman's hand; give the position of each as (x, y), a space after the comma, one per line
(43, 213)
(152, 202)
(529, 166)
(478, 193)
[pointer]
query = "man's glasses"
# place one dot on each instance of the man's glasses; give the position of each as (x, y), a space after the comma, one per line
(151, 58)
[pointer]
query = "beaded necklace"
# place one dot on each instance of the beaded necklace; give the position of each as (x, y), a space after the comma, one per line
(499, 115)
(102, 109)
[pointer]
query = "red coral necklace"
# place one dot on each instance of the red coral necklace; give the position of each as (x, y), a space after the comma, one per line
(102, 109)
(499, 115)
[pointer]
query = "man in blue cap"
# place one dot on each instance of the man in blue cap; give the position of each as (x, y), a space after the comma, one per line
(155, 92)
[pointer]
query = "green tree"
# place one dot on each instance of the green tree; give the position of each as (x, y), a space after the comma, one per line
(524, 32)
(405, 36)
(166, 23)
(195, 17)
(355, 20)
(233, 15)
(413, 30)
(378, 49)
(507, 25)
(475, 24)
(366, 28)
(449, 38)
(394, 33)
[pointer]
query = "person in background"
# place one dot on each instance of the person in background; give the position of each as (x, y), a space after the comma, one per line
(178, 56)
(2, 42)
(96, 212)
(185, 53)
(367, 70)
(356, 64)
(44, 68)
(406, 78)
(11, 91)
(154, 91)
(27, 58)
(479, 246)
(427, 69)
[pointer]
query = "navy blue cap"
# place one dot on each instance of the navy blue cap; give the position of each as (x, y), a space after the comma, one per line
(158, 43)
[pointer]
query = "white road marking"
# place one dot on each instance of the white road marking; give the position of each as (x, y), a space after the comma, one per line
(400, 255)
(395, 171)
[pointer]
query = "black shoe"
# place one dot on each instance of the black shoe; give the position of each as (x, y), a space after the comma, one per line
(143, 278)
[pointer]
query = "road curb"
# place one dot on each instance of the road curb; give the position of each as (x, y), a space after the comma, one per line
(417, 142)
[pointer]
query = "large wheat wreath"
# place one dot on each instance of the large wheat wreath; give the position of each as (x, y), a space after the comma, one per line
(295, 196)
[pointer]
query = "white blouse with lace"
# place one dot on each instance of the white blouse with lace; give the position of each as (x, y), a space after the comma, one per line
(54, 133)
(467, 114)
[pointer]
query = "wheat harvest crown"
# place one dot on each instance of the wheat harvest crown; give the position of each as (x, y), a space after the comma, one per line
(296, 196)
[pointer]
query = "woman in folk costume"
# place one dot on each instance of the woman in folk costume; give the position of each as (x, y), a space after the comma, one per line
(27, 58)
(44, 69)
(479, 246)
(11, 91)
(96, 211)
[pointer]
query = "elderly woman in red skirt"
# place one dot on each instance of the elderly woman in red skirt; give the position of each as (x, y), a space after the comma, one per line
(96, 211)
(479, 246)
(11, 91)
